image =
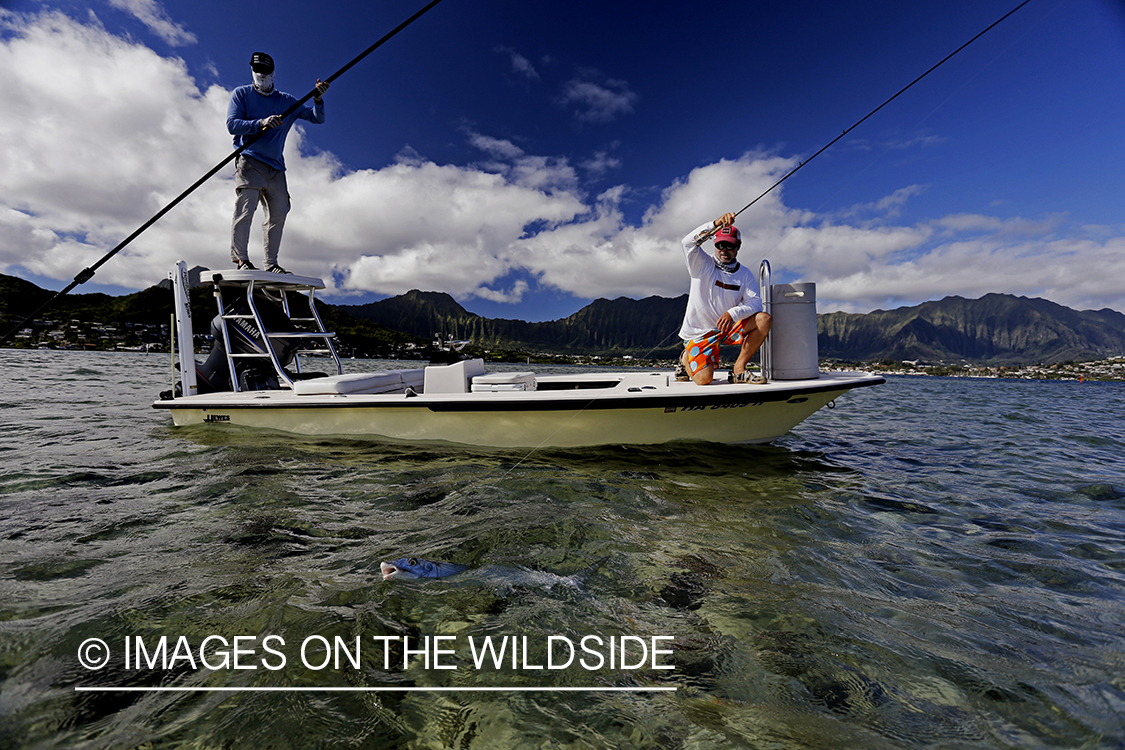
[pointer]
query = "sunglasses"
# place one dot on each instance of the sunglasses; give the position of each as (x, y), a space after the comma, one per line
(726, 246)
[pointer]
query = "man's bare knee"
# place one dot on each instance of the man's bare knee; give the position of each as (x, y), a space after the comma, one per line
(704, 376)
(760, 321)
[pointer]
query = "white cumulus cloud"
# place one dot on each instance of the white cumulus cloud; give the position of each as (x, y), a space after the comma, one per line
(520, 64)
(153, 15)
(595, 102)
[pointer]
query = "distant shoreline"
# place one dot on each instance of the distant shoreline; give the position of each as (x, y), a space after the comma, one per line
(1105, 370)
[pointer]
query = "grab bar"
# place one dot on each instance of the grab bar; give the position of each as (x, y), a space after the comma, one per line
(765, 287)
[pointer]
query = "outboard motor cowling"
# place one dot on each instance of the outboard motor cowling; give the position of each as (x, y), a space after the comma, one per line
(246, 338)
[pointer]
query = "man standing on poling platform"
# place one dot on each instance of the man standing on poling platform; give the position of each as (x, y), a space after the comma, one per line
(260, 169)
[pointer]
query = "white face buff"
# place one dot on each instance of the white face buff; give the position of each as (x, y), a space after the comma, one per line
(263, 82)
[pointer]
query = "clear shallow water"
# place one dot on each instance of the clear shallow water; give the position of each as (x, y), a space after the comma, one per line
(933, 563)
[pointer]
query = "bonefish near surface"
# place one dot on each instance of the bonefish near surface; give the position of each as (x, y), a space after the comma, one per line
(501, 576)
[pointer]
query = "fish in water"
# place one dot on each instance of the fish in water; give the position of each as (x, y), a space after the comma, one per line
(413, 567)
(501, 577)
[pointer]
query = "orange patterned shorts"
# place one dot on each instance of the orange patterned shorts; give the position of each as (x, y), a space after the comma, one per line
(704, 351)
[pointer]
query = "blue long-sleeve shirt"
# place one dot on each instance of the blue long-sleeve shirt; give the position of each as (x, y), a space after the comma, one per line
(248, 108)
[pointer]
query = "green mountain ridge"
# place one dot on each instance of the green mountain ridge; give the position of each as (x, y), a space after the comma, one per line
(620, 326)
(996, 329)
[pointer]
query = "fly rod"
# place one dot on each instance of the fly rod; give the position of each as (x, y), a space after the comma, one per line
(87, 273)
(859, 122)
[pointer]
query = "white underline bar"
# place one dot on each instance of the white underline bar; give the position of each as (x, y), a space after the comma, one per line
(374, 689)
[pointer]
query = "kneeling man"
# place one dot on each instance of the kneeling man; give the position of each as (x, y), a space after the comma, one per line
(723, 306)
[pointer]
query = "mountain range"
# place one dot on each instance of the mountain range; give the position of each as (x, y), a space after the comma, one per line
(995, 329)
(620, 326)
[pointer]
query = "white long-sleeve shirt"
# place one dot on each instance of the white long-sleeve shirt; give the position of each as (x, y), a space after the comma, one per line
(714, 291)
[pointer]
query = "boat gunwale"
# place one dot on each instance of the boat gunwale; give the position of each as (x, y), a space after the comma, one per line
(578, 399)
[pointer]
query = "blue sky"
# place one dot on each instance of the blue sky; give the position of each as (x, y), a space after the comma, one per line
(529, 157)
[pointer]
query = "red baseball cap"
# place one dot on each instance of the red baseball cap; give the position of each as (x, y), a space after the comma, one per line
(729, 234)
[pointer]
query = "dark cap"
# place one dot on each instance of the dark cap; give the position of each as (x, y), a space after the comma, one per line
(261, 62)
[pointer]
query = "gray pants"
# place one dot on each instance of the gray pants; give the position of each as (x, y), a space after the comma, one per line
(256, 182)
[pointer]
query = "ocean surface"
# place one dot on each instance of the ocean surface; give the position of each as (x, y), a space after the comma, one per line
(933, 563)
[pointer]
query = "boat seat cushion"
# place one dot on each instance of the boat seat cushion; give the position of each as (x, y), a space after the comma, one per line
(359, 382)
(504, 381)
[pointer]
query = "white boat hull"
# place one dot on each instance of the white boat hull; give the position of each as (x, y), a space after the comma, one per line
(259, 331)
(642, 408)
